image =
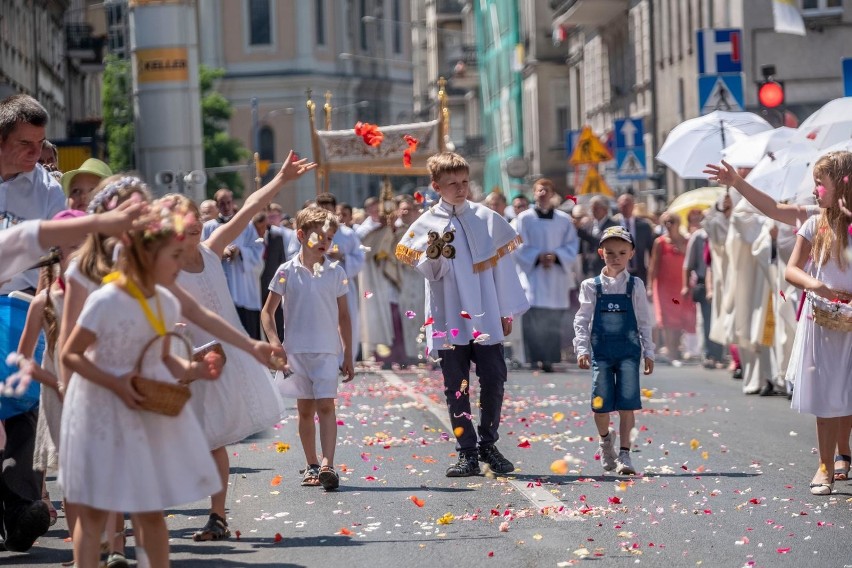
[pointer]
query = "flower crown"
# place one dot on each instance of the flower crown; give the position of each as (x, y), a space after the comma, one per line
(167, 216)
(107, 198)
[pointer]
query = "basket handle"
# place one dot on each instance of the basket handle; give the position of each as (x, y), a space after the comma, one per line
(137, 369)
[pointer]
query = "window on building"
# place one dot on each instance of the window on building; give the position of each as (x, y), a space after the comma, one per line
(397, 26)
(363, 24)
(830, 6)
(260, 22)
(320, 21)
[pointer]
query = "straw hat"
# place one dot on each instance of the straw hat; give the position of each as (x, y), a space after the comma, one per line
(91, 166)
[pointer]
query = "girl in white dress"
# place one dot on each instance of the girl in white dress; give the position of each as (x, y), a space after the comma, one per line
(244, 400)
(44, 315)
(823, 373)
(114, 456)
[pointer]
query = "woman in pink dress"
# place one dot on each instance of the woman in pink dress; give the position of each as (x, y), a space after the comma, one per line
(675, 312)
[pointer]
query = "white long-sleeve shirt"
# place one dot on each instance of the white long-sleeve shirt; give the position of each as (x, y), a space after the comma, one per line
(20, 249)
(586, 313)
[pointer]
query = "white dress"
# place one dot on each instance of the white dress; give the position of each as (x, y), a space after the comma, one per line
(821, 362)
(116, 459)
(46, 455)
(244, 401)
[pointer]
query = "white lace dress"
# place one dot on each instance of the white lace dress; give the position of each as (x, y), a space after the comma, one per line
(821, 362)
(117, 459)
(46, 455)
(244, 401)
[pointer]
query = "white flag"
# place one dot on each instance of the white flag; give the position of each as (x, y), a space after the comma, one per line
(788, 20)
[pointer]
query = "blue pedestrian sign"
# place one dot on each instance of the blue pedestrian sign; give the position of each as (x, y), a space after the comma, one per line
(719, 51)
(571, 138)
(720, 92)
(629, 133)
(630, 163)
(847, 77)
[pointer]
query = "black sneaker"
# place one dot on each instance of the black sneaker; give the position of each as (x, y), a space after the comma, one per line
(467, 466)
(32, 522)
(489, 454)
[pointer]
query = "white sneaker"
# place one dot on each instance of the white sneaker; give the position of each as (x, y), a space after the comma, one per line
(607, 452)
(624, 466)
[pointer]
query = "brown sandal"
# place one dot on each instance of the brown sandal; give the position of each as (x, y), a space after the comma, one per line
(329, 478)
(311, 477)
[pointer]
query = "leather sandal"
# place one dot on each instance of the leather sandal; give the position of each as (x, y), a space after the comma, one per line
(329, 478)
(842, 465)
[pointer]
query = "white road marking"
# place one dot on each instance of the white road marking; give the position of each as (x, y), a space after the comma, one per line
(539, 496)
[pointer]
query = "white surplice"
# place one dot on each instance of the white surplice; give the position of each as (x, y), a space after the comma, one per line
(548, 287)
(466, 296)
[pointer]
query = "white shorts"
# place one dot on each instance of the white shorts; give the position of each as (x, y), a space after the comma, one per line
(314, 376)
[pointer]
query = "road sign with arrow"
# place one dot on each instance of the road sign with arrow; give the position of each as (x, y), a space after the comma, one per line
(630, 149)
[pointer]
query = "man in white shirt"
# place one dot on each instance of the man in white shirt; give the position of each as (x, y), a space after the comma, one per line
(546, 256)
(27, 192)
(242, 263)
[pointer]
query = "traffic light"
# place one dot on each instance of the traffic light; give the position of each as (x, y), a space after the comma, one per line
(770, 94)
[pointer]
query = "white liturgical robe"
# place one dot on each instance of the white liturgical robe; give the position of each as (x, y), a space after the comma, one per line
(548, 287)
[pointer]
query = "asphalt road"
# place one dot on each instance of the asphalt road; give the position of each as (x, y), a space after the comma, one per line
(723, 482)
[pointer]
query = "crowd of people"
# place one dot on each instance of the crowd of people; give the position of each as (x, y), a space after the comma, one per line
(137, 304)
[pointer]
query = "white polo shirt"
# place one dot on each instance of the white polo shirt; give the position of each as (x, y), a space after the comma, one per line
(310, 305)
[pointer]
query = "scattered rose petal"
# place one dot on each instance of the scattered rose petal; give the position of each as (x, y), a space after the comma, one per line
(276, 481)
(524, 444)
(417, 501)
(465, 315)
(281, 447)
(278, 537)
(410, 315)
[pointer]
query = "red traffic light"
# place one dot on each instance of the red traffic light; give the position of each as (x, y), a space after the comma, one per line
(770, 94)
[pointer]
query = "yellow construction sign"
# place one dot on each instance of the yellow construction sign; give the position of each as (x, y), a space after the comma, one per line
(589, 149)
(594, 183)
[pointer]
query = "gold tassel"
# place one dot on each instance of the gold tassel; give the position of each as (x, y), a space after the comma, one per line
(407, 255)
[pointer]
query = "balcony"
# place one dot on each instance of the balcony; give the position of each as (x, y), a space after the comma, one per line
(590, 13)
(463, 69)
(82, 45)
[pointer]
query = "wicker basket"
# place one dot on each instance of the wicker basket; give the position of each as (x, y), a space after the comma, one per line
(161, 397)
(836, 318)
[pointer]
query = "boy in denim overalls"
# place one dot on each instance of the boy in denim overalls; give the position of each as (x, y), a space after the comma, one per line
(613, 334)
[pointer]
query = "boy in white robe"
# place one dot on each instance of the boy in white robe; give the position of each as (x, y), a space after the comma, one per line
(472, 295)
(550, 245)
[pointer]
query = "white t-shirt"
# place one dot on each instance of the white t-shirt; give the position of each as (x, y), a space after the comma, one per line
(310, 305)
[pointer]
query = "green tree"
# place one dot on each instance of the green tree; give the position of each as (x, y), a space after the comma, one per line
(220, 148)
(118, 124)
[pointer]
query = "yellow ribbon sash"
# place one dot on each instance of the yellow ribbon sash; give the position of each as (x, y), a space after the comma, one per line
(156, 321)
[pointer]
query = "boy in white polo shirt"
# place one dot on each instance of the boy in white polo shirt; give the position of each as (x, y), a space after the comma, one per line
(311, 290)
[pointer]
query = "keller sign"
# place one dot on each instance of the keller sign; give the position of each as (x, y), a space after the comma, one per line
(157, 65)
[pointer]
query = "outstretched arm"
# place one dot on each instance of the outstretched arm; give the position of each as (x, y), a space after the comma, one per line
(256, 202)
(726, 174)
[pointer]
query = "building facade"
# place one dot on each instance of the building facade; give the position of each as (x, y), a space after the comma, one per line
(638, 59)
(278, 52)
(32, 56)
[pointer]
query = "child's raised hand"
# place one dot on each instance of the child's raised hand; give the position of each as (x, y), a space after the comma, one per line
(649, 365)
(294, 168)
(725, 174)
(127, 393)
(584, 362)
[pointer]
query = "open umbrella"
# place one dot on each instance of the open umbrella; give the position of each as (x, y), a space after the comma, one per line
(746, 153)
(831, 124)
(780, 173)
(696, 142)
(702, 198)
(805, 185)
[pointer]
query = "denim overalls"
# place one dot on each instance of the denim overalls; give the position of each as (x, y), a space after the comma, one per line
(616, 351)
